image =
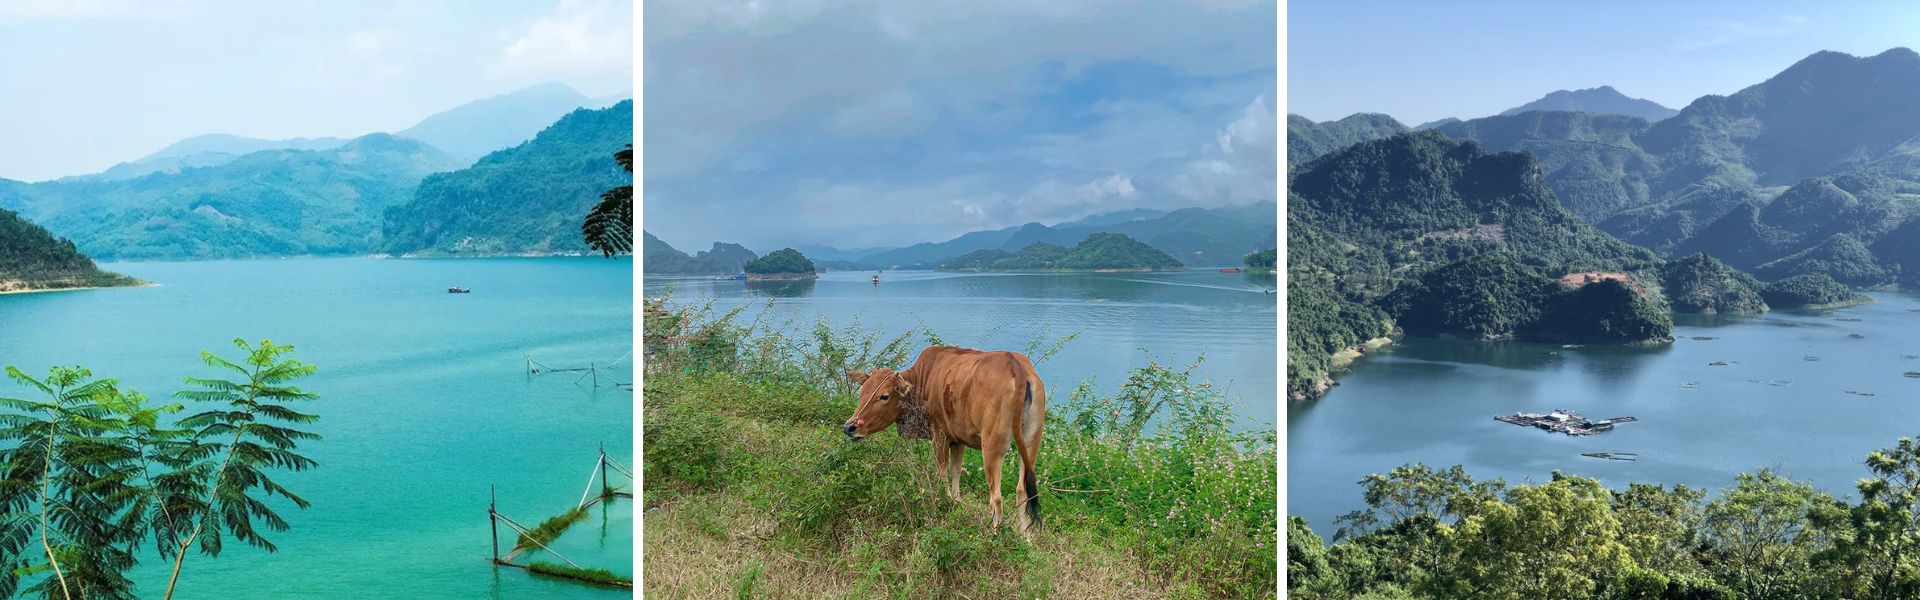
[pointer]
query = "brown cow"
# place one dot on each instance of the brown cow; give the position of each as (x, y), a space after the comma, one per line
(971, 398)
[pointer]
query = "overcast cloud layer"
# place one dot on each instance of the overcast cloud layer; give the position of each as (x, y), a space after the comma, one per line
(863, 123)
(85, 84)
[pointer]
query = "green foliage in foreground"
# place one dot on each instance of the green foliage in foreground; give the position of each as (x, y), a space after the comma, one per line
(1156, 472)
(1440, 534)
(93, 472)
(601, 576)
(1809, 290)
(784, 261)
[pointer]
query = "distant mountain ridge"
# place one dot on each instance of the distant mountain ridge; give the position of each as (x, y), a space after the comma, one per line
(661, 258)
(267, 203)
(526, 199)
(1307, 140)
(1599, 100)
(1197, 237)
(472, 130)
(208, 150)
(1769, 175)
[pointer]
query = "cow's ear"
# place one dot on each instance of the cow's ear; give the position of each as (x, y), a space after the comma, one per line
(906, 388)
(857, 376)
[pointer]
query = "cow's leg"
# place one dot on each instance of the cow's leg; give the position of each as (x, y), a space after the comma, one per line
(955, 454)
(993, 451)
(940, 461)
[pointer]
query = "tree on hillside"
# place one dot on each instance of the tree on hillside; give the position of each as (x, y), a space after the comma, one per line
(782, 261)
(609, 227)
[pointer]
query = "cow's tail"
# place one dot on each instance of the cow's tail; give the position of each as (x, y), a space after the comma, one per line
(1030, 422)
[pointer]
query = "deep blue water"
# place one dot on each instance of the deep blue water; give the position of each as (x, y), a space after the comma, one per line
(1782, 402)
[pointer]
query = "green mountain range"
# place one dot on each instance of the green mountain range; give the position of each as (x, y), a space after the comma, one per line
(1307, 140)
(1410, 231)
(1810, 171)
(525, 199)
(661, 258)
(1196, 237)
(267, 203)
(1601, 100)
(472, 130)
(1097, 252)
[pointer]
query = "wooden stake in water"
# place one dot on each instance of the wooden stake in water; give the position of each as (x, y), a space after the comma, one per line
(493, 522)
(606, 489)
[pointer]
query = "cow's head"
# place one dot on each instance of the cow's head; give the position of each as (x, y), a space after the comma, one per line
(881, 391)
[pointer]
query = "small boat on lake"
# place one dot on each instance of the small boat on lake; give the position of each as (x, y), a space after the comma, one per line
(1230, 270)
(459, 290)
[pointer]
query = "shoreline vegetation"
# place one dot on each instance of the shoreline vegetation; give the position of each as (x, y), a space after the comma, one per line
(750, 485)
(1429, 533)
(785, 264)
(1099, 252)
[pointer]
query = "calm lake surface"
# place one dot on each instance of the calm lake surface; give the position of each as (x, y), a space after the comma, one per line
(1433, 401)
(1124, 319)
(425, 402)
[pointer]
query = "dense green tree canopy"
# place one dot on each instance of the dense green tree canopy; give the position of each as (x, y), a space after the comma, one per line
(1429, 533)
(1099, 251)
(1809, 290)
(785, 261)
(524, 199)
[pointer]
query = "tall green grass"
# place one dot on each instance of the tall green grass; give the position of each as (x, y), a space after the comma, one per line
(548, 530)
(1156, 472)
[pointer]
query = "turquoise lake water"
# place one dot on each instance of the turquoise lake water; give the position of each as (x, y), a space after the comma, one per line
(1124, 320)
(424, 402)
(1781, 401)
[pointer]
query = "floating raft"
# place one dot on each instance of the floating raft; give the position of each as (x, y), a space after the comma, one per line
(1612, 455)
(1563, 421)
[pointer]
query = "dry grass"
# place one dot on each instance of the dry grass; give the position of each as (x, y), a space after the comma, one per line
(710, 546)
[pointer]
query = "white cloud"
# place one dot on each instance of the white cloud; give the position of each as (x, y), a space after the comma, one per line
(580, 36)
(1239, 166)
(1054, 201)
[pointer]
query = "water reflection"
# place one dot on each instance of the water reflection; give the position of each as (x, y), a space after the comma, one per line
(781, 289)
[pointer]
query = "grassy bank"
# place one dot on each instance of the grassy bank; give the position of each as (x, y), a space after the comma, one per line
(752, 491)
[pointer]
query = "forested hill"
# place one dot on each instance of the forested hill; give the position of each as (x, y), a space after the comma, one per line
(1098, 252)
(661, 258)
(32, 259)
(1600, 100)
(1407, 213)
(1196, 237)
(267, 203)
(1307, 140)
(525, 199)
(1810, 171)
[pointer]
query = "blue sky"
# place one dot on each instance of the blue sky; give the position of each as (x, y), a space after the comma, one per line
(85, 84)
(1421, 61)
(859, 123)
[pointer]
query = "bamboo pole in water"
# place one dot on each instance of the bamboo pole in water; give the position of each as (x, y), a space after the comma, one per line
(493, 522)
